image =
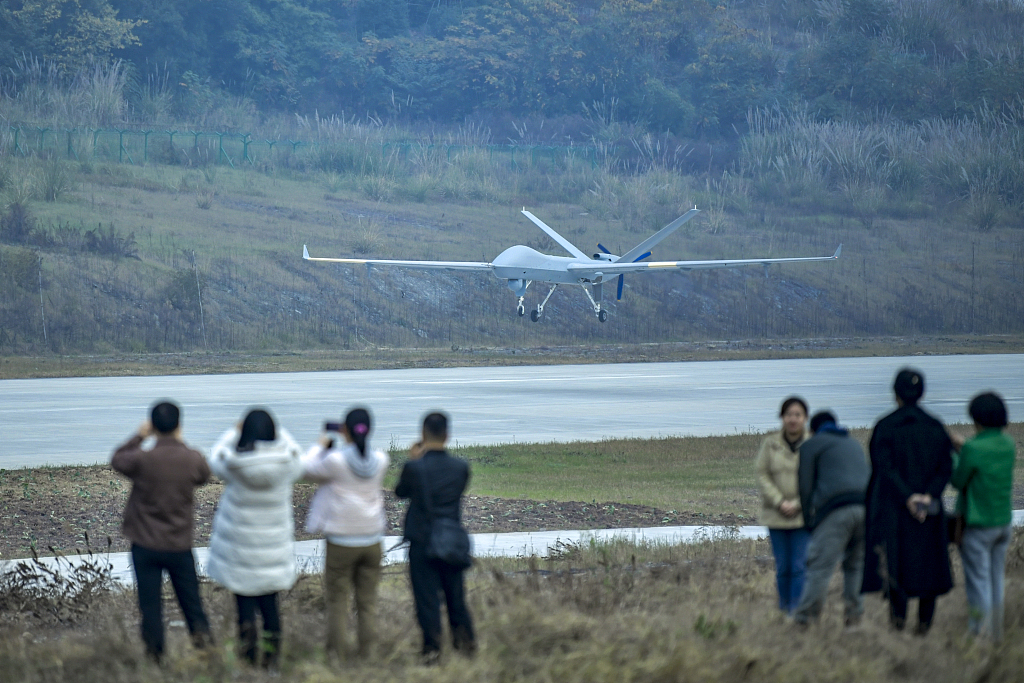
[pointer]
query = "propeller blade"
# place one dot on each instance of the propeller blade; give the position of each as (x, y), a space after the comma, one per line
(601, 247)
(641, 258)
(618, 296)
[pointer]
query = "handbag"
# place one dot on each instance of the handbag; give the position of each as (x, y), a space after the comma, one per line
(449, 543)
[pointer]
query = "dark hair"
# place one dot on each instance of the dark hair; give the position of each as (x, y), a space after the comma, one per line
(165, 417)
(909, 386)
(436, 425)
(357, 422)
(257, 426)
(988, 410)
(822, 418)
(789, 402)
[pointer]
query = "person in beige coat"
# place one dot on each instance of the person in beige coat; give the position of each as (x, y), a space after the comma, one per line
(777, 464)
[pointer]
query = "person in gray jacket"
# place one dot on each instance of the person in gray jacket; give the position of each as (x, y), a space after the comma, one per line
(833, 478)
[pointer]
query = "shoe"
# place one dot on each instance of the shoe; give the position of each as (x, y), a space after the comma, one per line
(202, 640)
(432, 658)
(896, 622)
(247, 637)
(271, 650)
(463, 642)
(852, 624)
(922, 629)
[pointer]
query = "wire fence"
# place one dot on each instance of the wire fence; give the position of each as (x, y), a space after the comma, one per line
(137, 147)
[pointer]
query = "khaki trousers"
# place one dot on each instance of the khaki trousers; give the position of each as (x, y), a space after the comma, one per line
(349, 570)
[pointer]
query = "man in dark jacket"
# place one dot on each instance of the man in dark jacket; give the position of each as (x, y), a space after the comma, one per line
(907, 554)
(158, 520)
(433, 472)
(833, 475)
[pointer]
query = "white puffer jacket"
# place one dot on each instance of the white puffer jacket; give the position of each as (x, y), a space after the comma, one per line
(350, 500)
(251, 546)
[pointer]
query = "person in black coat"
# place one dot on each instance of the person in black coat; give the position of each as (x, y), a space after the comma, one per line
(431, 471)
(907, 554)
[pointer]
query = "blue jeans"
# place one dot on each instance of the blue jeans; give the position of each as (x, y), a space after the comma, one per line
(790, 549)
(983, 553)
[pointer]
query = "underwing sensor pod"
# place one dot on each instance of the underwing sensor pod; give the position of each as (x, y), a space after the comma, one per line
(521, 266)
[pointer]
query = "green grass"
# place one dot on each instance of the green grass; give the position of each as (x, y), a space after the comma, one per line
(710, 475)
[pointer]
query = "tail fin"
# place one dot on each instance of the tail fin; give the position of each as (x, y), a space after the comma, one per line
(305, 252)
(648, 243)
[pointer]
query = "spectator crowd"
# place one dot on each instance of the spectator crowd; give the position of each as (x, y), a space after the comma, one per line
(880, 516)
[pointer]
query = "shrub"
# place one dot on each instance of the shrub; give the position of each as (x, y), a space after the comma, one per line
(53, 181)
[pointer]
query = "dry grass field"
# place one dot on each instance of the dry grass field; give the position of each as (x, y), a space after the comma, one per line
(597, 613)
(593, 612)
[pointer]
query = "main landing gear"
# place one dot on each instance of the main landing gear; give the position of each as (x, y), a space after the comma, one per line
(602, 315)
(539, 311)
(520, 286)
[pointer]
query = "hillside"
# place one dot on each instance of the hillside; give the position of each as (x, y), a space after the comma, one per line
(898, 277)
(161, 210)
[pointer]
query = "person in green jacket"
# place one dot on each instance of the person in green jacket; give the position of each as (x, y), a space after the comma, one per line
(984, 476)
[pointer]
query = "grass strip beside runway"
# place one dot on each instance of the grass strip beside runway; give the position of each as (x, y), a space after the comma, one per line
(515, 487)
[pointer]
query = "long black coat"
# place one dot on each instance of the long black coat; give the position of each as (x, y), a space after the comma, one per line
(447, 477)
(910, 453)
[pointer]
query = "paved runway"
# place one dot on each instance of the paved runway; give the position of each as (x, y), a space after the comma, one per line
(80, 420)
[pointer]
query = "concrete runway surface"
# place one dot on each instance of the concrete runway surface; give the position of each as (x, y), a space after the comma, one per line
(81, 420)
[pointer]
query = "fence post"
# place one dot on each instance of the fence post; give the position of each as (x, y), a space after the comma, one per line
(220, 147)
(145, 146)
(122, 152)
(245, 148)
(42, 137)
(71, 149)
(17, 146)
(95, 140)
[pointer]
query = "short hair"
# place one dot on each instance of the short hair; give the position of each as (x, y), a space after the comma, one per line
(436, 425)
(822, 418)
(790, 402)
(257, 426)
(165, 417)
(988, 410)
(909, 386)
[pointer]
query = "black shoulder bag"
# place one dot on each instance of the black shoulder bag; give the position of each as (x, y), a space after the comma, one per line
(449, 542)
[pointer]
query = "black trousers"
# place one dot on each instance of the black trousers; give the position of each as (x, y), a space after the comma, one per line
(266, 605)
(150, 566)
(430, 579)
(925, 606)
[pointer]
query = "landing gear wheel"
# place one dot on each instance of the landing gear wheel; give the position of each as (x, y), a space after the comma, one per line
(534, 315)
(521, 310)
(602, 316)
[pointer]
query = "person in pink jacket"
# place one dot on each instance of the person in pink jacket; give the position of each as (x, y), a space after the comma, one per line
(348, 509)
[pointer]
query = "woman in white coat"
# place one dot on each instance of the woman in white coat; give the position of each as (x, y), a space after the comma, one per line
(251, 551)
(348, 508)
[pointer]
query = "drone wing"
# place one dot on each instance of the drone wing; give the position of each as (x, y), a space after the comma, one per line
(415, 265)
(640, 267)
